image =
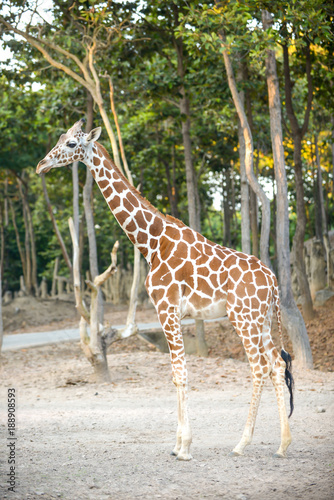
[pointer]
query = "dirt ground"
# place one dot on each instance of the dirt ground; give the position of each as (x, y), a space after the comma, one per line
(80, 440)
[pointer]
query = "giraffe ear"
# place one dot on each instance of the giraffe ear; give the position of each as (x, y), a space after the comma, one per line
(93, 135)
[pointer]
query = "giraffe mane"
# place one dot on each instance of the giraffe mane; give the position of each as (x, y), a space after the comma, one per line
(135, 191)
(174, 220)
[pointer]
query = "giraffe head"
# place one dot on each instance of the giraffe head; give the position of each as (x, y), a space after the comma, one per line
(75, 145)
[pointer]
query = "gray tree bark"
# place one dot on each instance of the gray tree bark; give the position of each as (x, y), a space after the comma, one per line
(75, 184)
(18, 242)
(265, 229)
(55, 225)
(324, 224)
(332, 148)
(297, 135)
(2, 240)
(245, 218)
(89, 215)
(94, 346)
(30, 280)
(1, 322)
(292, 319)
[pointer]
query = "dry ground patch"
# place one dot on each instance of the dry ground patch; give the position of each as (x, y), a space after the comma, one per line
(81, 440)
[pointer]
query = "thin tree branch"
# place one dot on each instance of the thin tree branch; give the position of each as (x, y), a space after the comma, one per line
(38, 45)
(120, 140)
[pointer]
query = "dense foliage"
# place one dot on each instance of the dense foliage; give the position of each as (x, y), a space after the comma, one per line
(136, 45)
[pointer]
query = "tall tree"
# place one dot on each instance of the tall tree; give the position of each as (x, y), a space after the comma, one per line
(244, 189)
(292, 319)
(298, 133)
(249, 154)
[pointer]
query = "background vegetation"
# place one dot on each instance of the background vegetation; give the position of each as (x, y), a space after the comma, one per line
(138, 44)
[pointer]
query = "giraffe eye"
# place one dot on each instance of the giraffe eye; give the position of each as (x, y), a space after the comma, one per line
(71, 144)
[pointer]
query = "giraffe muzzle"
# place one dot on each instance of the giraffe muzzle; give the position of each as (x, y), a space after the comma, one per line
(43, 167)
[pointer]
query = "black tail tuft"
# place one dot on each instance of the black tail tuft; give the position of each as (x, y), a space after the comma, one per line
(288, 376)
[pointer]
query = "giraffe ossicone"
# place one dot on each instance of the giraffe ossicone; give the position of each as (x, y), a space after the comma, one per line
(190, 276)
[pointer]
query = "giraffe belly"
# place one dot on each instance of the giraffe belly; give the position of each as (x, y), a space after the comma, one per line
(213, 311)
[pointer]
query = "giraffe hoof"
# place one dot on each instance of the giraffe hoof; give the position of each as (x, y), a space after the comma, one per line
(185, 457)
(174, 453)
(235, 454)
(279, 455)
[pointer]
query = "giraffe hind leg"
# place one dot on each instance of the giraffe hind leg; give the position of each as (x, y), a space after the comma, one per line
(251, 334)
(278, 379)
(259, 379)
(279, 374)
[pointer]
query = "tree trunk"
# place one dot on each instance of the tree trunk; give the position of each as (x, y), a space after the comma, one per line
(92, 346)
(18, 242)
(244, 189)
(317, 208)
(1, 322)
(2, 241)
(89, 215)
(299, 236)
(54, 278)
(192, 188)
(332, 148)
(265, 229)
(174, 183)
(291, 317)
(31, 234)
(55, 225)
(75, 184)
(131, 327)
(226, 185)
(253, 205)
(297, 135)
(28, 279)
(190, 174)
(324, 224)
(254, 214)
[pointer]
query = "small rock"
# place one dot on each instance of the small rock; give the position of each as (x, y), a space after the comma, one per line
(321, 409)
(8, 297)
(322, 296)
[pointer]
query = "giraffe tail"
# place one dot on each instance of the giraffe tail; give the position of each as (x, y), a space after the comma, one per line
(285, 355)
(288, 377)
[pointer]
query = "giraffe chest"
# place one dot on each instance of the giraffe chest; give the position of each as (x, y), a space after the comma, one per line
(191, 308)
(197, 291)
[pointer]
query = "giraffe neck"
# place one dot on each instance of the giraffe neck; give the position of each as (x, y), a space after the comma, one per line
(142, 223)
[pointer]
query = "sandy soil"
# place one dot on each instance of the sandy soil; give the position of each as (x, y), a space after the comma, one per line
(80, 440)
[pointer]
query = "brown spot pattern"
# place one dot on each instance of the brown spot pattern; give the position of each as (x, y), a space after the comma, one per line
(189, 269)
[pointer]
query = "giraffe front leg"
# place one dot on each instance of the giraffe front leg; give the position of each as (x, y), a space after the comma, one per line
(178, 444)
(171, 324)
(183, 435)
